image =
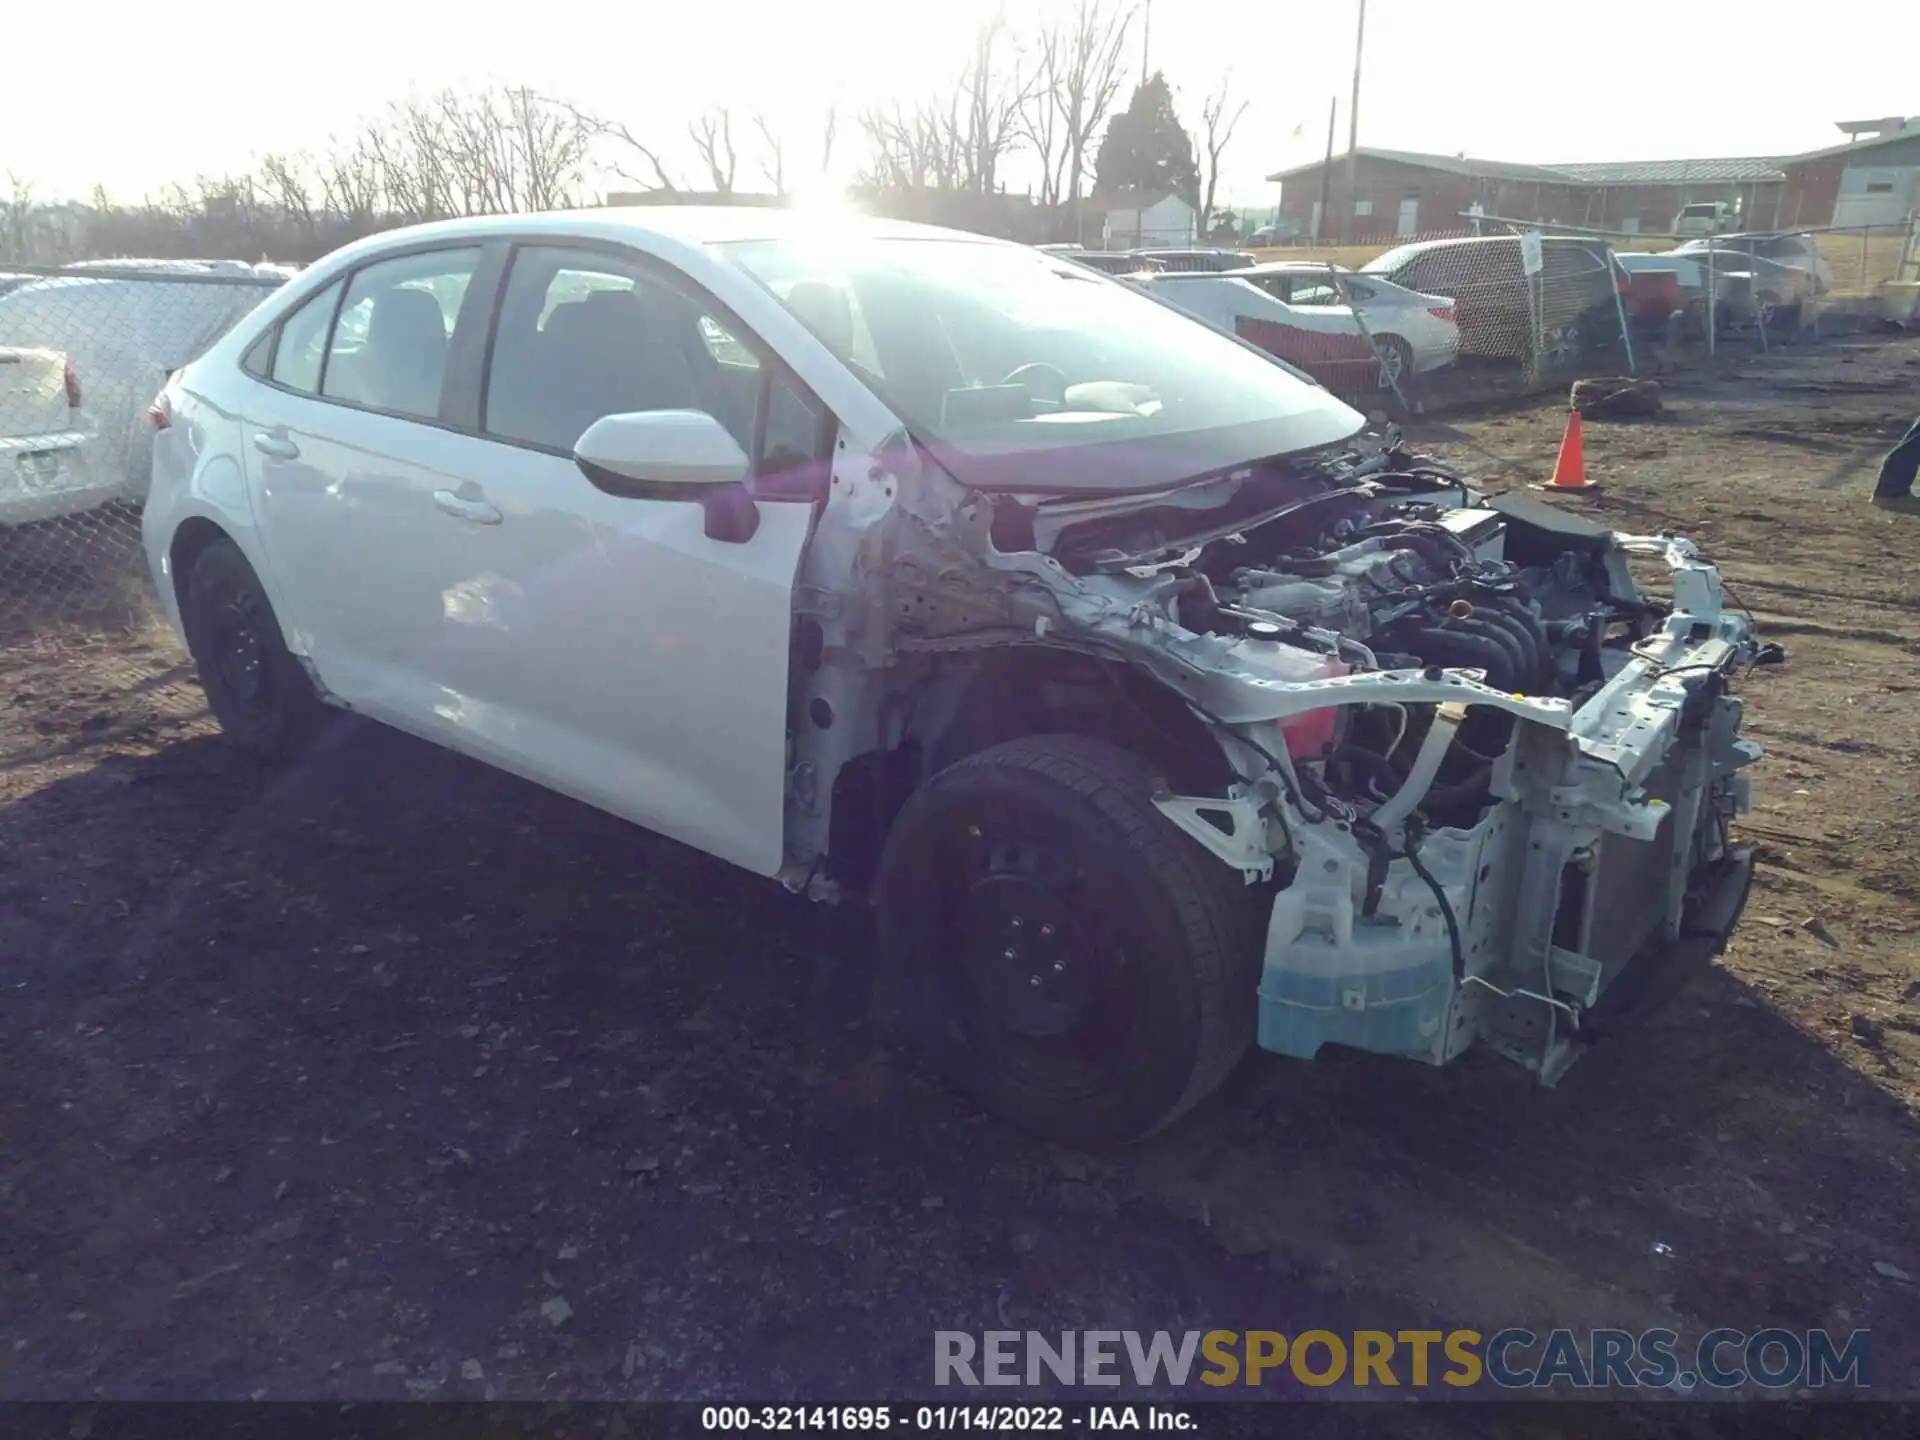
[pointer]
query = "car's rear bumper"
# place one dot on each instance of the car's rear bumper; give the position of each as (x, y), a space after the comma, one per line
(49, 477)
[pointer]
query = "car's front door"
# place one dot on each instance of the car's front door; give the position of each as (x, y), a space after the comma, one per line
(604, 645)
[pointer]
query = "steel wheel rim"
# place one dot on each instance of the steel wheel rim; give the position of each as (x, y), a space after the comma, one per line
(239, 648)
(1036, 973)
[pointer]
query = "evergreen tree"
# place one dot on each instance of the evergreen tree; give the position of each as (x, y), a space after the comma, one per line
(1146, 147)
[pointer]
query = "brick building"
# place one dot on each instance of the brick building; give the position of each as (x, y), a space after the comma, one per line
(1402, 193)
(1871, 179)
(1644, 196)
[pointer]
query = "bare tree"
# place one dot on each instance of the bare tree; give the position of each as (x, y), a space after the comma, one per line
(16, 221)
(1039, 118)
(910, 149)
(1076, 81)
(994, 92)
(597, 128)
(551, 147)
(773, 163)
(413, 153)
(829, 131)
(350, 185)
(1218, 117)
(289, 186)
(713, 138)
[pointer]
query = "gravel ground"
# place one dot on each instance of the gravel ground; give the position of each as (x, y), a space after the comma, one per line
(394, 1076)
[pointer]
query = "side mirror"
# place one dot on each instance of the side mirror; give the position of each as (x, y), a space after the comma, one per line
(672, 455)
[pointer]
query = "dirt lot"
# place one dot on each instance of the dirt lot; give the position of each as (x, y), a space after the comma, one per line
(333, 1083)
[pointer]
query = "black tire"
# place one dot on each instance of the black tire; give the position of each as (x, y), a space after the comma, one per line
(1058, 949)
(1396, 360)
(257, 690)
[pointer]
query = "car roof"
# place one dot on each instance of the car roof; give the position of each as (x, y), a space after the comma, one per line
(1418, 246)
(1288, 267)
(689, 224)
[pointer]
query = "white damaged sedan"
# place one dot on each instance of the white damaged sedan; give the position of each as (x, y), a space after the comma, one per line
(1154, 708)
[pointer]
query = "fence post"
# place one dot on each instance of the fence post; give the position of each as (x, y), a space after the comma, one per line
(1713, 306)
(1620, 308)
(1366, 336)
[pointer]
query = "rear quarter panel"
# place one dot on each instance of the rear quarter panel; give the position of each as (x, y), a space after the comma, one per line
(198, 473)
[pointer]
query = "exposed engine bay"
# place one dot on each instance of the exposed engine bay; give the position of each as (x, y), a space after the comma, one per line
(1486, 780)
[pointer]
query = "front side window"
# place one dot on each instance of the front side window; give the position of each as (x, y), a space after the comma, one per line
(303, 343)
(389, 346)
(583, 335)
(1015, 362)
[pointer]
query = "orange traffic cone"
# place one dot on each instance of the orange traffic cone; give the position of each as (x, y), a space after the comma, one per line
(1570, 470)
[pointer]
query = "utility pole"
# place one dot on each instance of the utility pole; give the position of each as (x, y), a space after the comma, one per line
(1323, 217)
(1146, 38)
(1353, 129)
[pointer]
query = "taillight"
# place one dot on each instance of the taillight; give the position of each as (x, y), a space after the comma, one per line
(71, 379)
(160, 412)
(1440, 312)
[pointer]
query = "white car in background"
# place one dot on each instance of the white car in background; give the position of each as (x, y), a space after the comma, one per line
(46, 468)
(1795, 251)
(1112, 661)
(1414, 332)
(120, 337)
(1323, 340)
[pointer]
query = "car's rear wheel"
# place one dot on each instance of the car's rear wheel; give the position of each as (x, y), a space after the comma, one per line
(1396, 360)
(255, 687)
(1058, 949)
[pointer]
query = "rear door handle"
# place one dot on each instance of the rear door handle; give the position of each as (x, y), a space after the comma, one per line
(461, 508)
(277, 446)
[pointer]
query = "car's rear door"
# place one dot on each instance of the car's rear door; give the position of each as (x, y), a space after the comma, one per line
(346, 448)
(601, 644)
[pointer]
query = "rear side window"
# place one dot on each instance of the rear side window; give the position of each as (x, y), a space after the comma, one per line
(303, 339)
(389, 346)
(258, 361)
(1314, 292)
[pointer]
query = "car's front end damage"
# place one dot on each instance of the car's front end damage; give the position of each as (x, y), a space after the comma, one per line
(1481, 783)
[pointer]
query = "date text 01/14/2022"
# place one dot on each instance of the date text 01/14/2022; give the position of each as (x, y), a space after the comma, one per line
(993, 1419)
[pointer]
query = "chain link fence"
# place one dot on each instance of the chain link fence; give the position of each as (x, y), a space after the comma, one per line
(83, 351)
(1501, 308)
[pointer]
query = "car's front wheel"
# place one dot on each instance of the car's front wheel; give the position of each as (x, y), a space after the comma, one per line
(255, 687)
(1058, 949)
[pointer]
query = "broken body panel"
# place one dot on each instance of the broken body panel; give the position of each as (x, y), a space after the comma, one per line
(1593, 870)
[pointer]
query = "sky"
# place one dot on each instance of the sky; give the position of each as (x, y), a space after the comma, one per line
(181, 95)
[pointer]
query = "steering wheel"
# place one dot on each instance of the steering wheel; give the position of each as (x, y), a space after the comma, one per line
(1039, 369)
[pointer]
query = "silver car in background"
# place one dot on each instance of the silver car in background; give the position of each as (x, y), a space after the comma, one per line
(114, 339)
(46, 466)
(1413, 332)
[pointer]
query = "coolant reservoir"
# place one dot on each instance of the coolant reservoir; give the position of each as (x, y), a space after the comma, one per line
(1308, 734)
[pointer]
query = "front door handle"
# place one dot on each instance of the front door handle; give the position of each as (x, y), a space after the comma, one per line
(479, 512)
(279, 447)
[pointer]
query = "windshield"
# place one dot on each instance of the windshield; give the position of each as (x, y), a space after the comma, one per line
(1022, 371)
